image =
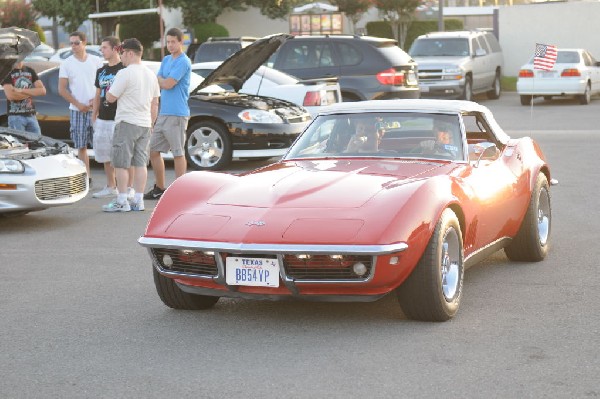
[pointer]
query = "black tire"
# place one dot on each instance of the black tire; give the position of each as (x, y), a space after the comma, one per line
(433, 290)
(494, 94)
(586, 97)
(175, 298)
(526, 100)
(531, 242)
(208, 146)
(467, 93)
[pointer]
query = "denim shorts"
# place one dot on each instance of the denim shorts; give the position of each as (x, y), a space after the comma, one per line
(81, 128)
(27, 123)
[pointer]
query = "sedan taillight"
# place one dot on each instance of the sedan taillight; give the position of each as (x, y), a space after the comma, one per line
(391, 77)
(570, 72)
(526, 73)
(312, 98)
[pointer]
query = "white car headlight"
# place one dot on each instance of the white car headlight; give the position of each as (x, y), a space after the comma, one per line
(259, 116)
(11, 166)
(453, 70)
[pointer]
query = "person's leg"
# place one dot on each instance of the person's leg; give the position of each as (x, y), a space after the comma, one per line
(180, 164)
(158, 168)
(79, 135)
(110, 173)
(139, 178)
(16, 122)
(32, 125)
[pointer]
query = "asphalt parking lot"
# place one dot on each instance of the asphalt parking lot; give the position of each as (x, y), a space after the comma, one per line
(81, 319)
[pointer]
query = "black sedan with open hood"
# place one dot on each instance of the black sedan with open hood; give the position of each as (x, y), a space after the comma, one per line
(226, 124)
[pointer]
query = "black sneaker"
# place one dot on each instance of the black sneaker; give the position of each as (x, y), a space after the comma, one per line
(154, 194)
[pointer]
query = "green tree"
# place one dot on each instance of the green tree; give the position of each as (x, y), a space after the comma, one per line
(354, 9)
(400, 13)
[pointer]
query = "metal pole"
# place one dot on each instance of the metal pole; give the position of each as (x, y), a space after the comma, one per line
(441, 15)
(162, 30)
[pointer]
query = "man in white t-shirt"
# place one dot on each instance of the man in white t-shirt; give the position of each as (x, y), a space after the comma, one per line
(136, 88)
(76, 85)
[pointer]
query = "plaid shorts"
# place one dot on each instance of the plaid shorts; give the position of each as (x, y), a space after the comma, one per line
(82, 130)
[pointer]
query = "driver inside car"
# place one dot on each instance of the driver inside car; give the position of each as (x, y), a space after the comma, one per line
(443, 143)
(367, 136)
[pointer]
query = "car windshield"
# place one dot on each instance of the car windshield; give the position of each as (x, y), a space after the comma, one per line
(439, 47)
(382, 135)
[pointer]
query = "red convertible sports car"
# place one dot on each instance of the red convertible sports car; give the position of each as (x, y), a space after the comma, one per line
(374, 197)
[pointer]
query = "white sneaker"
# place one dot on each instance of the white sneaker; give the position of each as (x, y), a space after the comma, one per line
(115, 206)
(137, 206)
(130, 193)
(106, 192)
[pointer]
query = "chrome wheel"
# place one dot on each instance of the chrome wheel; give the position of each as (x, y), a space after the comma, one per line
(208, 146)
(450, 270)
(544, 215)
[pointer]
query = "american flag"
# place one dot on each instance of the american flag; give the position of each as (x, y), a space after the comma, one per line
(544, 57)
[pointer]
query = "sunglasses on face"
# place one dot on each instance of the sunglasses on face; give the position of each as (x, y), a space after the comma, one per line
(75, 43)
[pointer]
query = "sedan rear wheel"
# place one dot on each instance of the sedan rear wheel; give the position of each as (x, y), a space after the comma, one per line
(531, 242)
(586, 97)
(526, 100)
(208, 146)
(433, 290)
(175, 298)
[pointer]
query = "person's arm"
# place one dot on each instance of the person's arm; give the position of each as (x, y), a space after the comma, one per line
(12, 94)
(38, 89)
(166, 83)
(66, 94)
(96, 105)
(154, 109)
(110, 98)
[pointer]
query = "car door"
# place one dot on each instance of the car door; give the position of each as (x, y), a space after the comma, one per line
(307, 59)
(481, 75)
(492, 184)
(593, 69)
(52, 111)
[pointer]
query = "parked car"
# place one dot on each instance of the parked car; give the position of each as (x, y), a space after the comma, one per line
(53, 110)
(221, 48)
(223, 124)
(407, 216)
(458, 64)
(368, 68)
(312, 94)
(575, 73)
(64, 53)
(35, 172)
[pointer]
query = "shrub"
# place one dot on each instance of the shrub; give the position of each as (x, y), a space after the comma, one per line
(203, 31)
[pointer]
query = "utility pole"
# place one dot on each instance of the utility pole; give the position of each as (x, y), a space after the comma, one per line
(441, 15)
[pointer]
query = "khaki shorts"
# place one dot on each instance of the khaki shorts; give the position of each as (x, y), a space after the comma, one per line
(130, 145)
(103, 137)
(169, 134)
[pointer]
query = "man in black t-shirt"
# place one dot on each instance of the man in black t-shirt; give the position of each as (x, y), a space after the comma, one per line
(20, 86)
(103, 114)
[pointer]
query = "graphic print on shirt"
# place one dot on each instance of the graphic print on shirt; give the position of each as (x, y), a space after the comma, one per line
(104, 80)
(21, 79)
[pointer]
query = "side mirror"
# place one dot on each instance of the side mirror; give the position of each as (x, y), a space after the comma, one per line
(484, 150)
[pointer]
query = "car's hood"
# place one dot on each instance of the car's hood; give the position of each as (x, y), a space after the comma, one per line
(440, 61)
(15, 45)
(320, 184)
(238, 68)
(288, 111)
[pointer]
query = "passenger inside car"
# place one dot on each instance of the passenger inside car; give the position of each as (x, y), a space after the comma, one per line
(367, 136)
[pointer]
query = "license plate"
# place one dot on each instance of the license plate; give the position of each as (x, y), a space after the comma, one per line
(547, 74)
(257, 272)
(424, 89)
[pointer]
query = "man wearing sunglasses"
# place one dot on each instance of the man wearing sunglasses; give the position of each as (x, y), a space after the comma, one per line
(76, 85)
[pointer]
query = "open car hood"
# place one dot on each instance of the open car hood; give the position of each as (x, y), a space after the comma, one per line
(15, 45)
(238, 68)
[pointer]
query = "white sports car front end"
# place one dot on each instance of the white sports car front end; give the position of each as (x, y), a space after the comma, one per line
(38, 173)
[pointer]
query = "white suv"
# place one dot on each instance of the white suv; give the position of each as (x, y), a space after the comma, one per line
(458, 64)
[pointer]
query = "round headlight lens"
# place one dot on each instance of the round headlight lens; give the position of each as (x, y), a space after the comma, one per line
(259, 116)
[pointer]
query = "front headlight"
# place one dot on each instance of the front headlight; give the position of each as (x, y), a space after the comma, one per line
(453, 70)
(11, 166)
(259, 116)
